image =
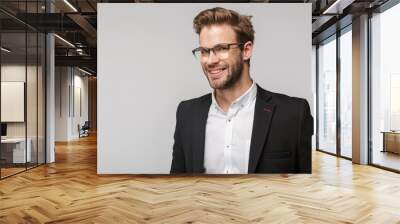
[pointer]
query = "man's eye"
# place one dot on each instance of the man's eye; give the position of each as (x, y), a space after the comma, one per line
(203, 51)
(221, 48)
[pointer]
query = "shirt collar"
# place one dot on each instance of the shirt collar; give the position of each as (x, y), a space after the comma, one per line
(243, 100)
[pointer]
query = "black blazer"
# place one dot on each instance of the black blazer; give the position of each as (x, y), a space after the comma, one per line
(281, 136)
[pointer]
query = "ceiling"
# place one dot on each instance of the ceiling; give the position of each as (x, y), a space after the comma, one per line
(76, 22)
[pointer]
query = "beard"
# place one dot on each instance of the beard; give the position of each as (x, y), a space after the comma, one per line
(234, 74)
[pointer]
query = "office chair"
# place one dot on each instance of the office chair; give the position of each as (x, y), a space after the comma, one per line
(84, 130)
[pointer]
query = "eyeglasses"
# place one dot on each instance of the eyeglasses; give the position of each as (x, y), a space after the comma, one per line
(219, 50)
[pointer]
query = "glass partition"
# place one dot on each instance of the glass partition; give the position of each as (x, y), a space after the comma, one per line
(385, 89)
(346, 93)
(14, 153)
(41, 88)
(31, 100)
(327, 96)
(22, 63)
(32, 84)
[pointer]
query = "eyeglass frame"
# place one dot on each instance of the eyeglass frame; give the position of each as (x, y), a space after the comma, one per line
(240, 45)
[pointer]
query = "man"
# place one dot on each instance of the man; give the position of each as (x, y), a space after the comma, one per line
(239, 128)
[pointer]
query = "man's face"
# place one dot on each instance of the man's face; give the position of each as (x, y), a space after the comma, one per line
(223, 72)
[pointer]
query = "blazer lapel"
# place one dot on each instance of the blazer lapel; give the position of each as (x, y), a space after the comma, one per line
(263, 113)
(199, 133)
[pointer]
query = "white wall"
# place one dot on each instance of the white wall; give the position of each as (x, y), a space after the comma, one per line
(67, 81)
(33, 126)
(79, 117)
(145, 68)
(18, 73)
(61, 103)
(12, 101)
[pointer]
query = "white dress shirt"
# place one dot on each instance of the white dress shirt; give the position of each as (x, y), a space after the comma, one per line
(228, 135)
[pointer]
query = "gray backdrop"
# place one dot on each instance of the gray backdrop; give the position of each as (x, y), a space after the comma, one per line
(145, 68)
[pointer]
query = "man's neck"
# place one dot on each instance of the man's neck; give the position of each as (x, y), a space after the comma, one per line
(225, 97)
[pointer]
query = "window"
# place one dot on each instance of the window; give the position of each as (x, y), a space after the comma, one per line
(385, 88)
(346, 93)
(327, 96)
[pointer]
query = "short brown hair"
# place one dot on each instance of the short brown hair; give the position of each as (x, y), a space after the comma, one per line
(241, 24)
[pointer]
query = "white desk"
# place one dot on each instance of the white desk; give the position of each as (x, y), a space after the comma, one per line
(18, 149)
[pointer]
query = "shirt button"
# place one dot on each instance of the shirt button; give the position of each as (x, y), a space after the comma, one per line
(227, 146)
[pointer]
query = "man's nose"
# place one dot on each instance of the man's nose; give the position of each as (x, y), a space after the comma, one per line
(212, 58)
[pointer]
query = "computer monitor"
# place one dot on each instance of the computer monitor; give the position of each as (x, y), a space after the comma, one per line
(3, 129)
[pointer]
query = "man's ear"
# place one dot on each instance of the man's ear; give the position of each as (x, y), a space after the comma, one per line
(247, 50)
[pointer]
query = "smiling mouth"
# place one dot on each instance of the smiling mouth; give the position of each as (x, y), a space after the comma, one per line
(215, 73)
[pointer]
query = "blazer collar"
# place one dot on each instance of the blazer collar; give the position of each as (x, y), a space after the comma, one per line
(263, 112)
(199, 133)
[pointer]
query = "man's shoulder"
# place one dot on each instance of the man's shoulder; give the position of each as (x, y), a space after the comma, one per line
(280, 98)
(198, 99)
(190, 103)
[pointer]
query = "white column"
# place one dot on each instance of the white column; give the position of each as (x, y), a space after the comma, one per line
(63, 102)
(360, 90)
(50, 110)
(50, 92)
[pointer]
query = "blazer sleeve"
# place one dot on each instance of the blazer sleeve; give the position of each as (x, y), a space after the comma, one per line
(306, 131)
(178, 157)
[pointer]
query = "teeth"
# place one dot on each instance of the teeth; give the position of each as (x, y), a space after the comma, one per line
(215, 71)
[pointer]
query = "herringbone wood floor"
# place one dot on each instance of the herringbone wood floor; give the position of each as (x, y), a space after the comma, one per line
(70, 191)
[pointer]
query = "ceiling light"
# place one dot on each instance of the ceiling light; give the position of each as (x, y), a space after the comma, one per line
(5, 49)
(331, 7)
(338, 6)
(65, 41)
(70, 5)
(84, 71)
